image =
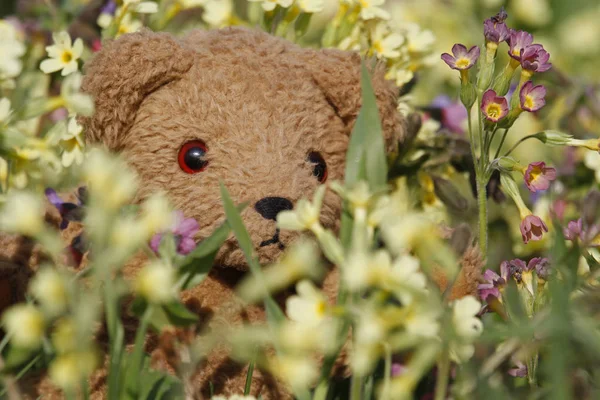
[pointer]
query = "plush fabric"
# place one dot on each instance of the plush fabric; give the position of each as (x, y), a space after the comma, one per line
(261, 105)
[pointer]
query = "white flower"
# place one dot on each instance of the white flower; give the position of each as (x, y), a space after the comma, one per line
(157, 214)
(269, 5)
(25, 325)
(592, 161)
(68, 370)
(50, 288)
(76, 101)
(11, 48)
(128, 25)
(63, 55)
(369, 9)
(142, 7)
(218, 13)
(466, 324)
(156, 282)
(419, 41)
(72, 143)
(104, 20)
(404, 233)
(384, 43)
(22, 213)
(407, 278)
(306, 214)
(309, 307)
(311, 6)
(356, 272)
(111, 183)
(300, 372)
(4, 110)
(422, 319)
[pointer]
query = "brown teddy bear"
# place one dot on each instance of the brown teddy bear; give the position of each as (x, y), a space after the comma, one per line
(268, 118)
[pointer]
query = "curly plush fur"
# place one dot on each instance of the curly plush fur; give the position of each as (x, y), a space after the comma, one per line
(260, 104)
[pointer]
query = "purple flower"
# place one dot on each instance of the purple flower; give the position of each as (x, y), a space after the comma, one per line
(453, 114)
(532, 228)
(461, 59)
(533, 98)
(494, 107)
(541, 266)
(538, 176)
(519, 370)
(184, 230)
(573, 230)
(535, 59)
(109, 8)
(397, 369)
(518, 41)
(68, 211)
(494, 28)
(490, 286)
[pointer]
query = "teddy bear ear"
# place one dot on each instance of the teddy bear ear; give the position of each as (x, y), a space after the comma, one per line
(122, 74)
(338, 75)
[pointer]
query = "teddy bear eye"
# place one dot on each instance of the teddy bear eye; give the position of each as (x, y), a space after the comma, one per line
(192, 157)
(319, 165)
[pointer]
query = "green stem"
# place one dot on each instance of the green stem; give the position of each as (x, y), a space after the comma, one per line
(356, 387)
(532, 370)
(321, 390)
(441, 385)
(482, 203)
(501, 143)
(518, 143)
(137, 357)
(385, 393)
(471, 139)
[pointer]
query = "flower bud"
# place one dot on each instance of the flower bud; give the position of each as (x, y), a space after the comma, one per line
(554, 138)
(468, 94)
(506, 164)
(485, 75)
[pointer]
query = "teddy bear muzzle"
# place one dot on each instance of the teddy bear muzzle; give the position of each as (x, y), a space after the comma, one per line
(269, 208)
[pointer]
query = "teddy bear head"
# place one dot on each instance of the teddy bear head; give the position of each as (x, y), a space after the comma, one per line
(267, 118)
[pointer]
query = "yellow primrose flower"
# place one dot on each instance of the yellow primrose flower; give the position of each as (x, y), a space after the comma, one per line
(157, 214)
(64, 337)
(306, 214)
(72, 144)
(269, 5)
(111, 183)
(385, 43)
(370, 9)
(50, 288)
(4, 110)
(74, 100)
(156, 282)
(128, 25)
(302, 338)
(142, 7)
(67, 370)
(25, 324)
(218, 13)
(11, 48)
(300, 372)
(311, 6)
(309, 306)
(63, 55)
(422, 319)
(419, 40)
(22, 213)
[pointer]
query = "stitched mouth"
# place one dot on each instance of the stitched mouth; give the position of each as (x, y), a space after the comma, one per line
(273, 240)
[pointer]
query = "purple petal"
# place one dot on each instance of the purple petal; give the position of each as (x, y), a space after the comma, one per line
(459, 50)
(186, 245)
(448, 59)
(53, 197)
(155, 242)
(187, 228)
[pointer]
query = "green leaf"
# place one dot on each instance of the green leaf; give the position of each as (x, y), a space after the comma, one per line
(179, 315)
(157, 385)
(274, 313)
(167, 247)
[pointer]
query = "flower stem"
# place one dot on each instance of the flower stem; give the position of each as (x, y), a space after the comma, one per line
(441, 384)
(518, 143)
(532, 370)
(356, 387)
(482, 205)
(385, 393)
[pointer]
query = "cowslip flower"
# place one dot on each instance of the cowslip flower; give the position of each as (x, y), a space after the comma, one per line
(538, 176)
(495, 30)
(535, 59)
(25, 325)
(461, 58)
(532, 98)
(63, 54)
(574, 229)
(184, 230)
(156, 282)
(493, 283)
(494, 107)
(269, 5)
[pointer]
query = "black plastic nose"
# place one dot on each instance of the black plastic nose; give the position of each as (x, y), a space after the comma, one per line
(269, 207)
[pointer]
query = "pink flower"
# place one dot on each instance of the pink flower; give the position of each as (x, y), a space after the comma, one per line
(538, 176)
(535, 59)
(494, 28)
(184, 230)
(491, 285)
(461, 59)
(532, 228)
(494, 107)
(518, 42)
(533, 98)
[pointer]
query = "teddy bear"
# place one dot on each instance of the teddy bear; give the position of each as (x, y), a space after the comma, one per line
(269, 119)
